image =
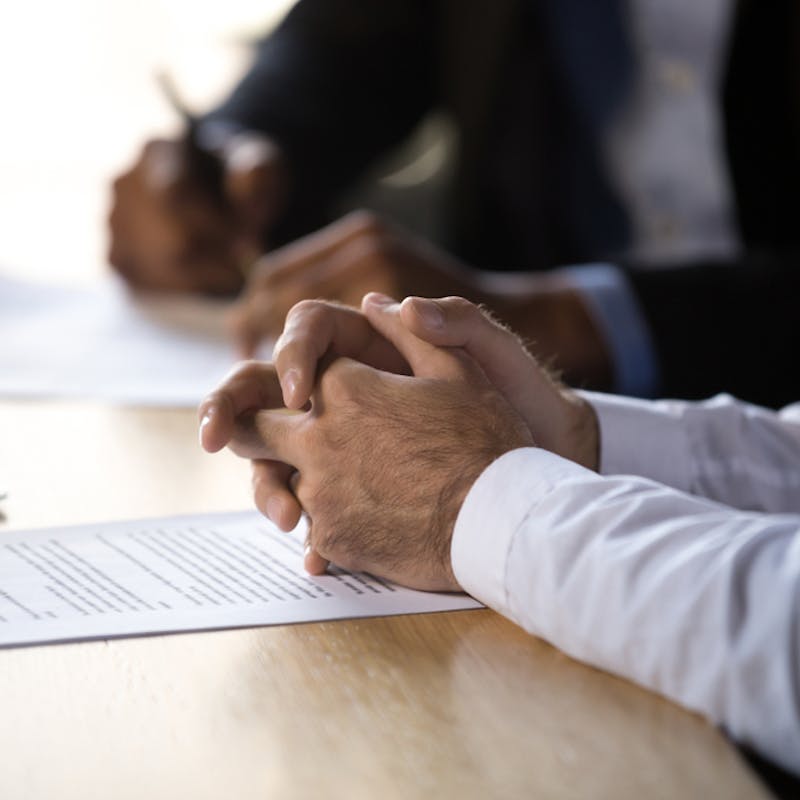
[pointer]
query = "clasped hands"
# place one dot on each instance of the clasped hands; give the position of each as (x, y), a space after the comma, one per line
(376, 423)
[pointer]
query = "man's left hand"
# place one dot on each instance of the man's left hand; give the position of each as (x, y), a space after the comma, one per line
(383, 461)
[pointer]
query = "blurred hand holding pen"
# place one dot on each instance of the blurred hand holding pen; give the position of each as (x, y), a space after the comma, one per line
(194, 213)
(202, 163)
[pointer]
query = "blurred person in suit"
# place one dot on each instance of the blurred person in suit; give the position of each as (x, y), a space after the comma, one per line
(655, 148)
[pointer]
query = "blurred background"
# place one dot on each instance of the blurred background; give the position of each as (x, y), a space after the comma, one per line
(78, 96)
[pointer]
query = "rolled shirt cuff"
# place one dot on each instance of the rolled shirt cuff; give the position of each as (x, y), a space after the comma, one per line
(496, 507)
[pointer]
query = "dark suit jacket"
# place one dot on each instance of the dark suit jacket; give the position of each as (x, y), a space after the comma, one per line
(342, 81)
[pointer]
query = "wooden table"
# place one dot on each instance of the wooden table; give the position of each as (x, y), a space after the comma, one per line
(454, 705)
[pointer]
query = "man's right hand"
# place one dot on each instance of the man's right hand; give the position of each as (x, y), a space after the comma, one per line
(170, 232)
(362, 253)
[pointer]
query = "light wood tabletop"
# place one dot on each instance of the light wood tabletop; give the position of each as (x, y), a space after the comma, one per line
(434, 706)
(461, 704)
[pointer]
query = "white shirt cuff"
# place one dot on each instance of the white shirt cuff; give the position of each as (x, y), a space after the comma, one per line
(496, 506)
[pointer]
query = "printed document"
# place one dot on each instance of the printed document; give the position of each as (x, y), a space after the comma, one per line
(179, 574)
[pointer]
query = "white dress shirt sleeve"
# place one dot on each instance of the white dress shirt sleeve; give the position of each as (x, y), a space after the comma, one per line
(687, 597)
(733, 452)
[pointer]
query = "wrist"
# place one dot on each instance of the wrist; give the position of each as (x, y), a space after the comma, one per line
(571, 337)
(582, 432)
(550, 315)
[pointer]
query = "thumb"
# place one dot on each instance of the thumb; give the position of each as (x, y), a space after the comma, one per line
(538, 397)
(455, 322)
(425, 359)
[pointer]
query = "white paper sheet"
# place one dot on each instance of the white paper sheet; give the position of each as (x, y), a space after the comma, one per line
(100, 343)
(179, 574)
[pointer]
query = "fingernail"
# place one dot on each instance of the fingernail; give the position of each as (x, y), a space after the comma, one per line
(291, 380)
(378, 299)
(274, 509)
(203, 422)
(430, 314)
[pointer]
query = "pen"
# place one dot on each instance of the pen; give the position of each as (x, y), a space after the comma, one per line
(204, 165)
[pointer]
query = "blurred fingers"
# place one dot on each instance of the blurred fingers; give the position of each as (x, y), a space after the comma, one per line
(163, 165)
(255, 185)
(166, 233)
(344, 274)
(318, 247)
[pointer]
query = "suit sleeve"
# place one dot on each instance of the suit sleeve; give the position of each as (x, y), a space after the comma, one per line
(736, 453)
(336, 84)
(722, 327)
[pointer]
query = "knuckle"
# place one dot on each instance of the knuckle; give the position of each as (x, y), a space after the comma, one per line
(329, 541)
(285, 349)
(260, 273)
(305, 321)
(120, 182)
(241, 378)
(337, 382)
(249, 370)
(461, 308)
(260, 487)
(374, 236)
(348, 561)
(463, 305)
(302, 323)
(305, 311)
(114, 257)
(365, 221)
(154, 149)
(158, 143)
(309, 496)
(331, 384)
(267, 474)
(377, 248)
(219, 398)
